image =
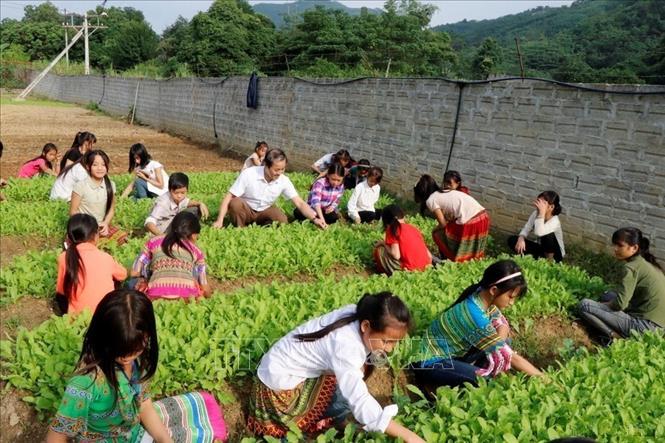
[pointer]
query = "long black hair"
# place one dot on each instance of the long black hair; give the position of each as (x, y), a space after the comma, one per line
(552, 198)
(88, 160)
(81, 228)
(381, 310)
(342, 155)
(633, 236)
(182, 227)
(336, 169)
(138, 149)
(48, 147)
(494, 273)
(390, 216)
(123, 324)
(425, 187)
(79, 139)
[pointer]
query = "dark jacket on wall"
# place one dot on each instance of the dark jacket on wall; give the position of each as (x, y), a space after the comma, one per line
(253, 91)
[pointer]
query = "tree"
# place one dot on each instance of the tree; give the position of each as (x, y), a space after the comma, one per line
(487, 59)
(228, 38)
(133, 43)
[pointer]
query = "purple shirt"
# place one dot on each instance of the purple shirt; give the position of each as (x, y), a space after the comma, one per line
(325, 196)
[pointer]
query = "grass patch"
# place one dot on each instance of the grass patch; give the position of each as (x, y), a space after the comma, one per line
(33, 101)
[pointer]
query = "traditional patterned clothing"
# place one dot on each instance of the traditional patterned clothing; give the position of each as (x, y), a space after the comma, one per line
(89, 412)
(467, 225)
(181, 276)
(295, 385)
(303, 406)
(464, 328)
(465, 242)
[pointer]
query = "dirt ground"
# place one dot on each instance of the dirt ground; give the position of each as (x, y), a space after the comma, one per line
(59, 124)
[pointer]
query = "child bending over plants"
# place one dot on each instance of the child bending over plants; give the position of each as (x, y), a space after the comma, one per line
(639, 303)
(45, 164)
(172, 265)
(403, 247)
(470, 339)
(107, 399)
(314, 376)
(85, 274)
(544, 223)
(464, 224)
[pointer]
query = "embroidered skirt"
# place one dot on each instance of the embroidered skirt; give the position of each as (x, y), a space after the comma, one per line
(464, 242)
(195, 417)
(271, 412)
(385, 263)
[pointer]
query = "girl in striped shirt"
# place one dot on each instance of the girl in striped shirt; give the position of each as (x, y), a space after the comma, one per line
(470, 339)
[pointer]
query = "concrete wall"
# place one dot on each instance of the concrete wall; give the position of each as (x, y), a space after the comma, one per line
(603, 152)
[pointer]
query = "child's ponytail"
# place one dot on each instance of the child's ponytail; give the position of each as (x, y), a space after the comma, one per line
(504, 274)
(381, 310)
(183, 226)
(633, 236)
(390, 216)
(81, 228)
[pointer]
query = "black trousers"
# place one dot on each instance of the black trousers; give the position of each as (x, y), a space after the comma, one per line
(369, 216)
(330, 217)
(547, 245)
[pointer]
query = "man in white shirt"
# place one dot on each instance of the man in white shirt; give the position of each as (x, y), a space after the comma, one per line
(252, 196)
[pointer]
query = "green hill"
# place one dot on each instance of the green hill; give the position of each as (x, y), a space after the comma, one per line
(277, 11)
(619, 41)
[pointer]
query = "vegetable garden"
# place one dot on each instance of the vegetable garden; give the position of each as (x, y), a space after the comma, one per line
(297, 272)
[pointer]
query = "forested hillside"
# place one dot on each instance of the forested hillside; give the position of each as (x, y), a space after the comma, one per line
(596, 41)
(277, 12)
(591, 40)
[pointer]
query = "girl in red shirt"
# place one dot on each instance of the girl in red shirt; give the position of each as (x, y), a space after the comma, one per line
(403, 247)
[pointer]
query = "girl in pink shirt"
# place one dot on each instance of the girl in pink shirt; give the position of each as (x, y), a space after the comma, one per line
(46, 163)
(85, 274)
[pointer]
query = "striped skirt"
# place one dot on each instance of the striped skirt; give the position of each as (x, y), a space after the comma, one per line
(271, 412)
(114, 235)
(385, 263)
(464, 242)
(191, 418)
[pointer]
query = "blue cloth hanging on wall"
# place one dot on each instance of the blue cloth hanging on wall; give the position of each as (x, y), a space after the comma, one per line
(253, 91)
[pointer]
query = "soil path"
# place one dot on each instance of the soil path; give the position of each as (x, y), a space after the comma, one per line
(26, 127)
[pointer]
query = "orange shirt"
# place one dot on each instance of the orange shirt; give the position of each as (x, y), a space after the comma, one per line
(93, 284)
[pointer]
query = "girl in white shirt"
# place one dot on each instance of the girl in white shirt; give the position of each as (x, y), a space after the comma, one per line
(365, 195)
(151, 178)
(314, 376)
(256, 159)
(464, 224)
(67, 179)
(342, 157)
(544, 223)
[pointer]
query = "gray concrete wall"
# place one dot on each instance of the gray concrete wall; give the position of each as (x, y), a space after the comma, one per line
(603, 152)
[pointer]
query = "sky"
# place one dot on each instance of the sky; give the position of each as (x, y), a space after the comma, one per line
(162, 13)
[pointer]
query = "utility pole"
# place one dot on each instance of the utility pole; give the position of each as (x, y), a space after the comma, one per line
(86, 34)
(66, 39)
(87, 44)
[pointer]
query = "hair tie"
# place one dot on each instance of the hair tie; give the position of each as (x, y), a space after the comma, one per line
(507, 277)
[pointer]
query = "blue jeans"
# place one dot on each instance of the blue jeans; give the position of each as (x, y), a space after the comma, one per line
(141, 189)
(339, 408)
(444, 372)
(606, 320)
